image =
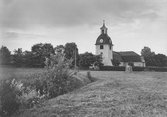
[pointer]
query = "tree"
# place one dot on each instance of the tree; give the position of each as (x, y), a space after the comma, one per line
(59, 48)
(18, 58)
(98, 60)
(161, 60)
(5, 55)
(41, 51)
(71, 51)
(148, 56)
(88, 59)
(115, 62)
(29, 59)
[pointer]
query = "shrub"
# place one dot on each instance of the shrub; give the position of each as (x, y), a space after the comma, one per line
(14, 96)
(115, 62)
(56, 81)
(9, 93)
(90, 77)
(131, 63)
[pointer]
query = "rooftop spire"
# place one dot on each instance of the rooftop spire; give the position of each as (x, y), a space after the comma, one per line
(103, 28)
(103, 22)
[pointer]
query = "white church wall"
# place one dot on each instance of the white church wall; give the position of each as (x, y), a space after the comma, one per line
(106, 54)
(137, 64)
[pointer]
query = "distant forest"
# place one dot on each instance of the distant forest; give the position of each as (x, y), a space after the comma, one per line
(39, 52)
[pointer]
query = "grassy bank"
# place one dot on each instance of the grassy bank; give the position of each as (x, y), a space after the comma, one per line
(115, 94)
(29, 79)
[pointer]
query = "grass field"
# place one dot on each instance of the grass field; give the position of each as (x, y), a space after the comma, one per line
(114, 94)
(26, 75)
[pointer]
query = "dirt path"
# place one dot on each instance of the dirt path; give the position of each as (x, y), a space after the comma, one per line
(115, 94)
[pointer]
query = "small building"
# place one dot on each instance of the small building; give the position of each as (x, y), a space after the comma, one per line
(104, 46)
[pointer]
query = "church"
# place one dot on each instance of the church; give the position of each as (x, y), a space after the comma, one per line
(104, 46)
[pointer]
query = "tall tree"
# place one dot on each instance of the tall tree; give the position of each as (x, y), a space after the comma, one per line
(5, 55)
(41, 51)
(18, 58)
(71, 51)
(86, 59)
(148, 56)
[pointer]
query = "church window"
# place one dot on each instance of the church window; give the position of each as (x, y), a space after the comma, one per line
(110, 47)
(102, 31)
(101, 46)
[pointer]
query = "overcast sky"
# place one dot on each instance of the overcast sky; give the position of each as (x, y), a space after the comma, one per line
(132, 24)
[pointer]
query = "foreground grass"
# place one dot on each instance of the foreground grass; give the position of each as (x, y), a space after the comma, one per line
(115, 94)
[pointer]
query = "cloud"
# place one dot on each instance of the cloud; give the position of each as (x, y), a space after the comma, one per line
(9, 35)
(63, 13)
(14, 35)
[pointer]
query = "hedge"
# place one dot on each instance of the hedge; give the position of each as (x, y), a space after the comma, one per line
(158, 69)
(122, 68)
(112, 68)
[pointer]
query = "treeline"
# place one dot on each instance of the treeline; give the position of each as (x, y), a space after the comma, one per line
(39, 52)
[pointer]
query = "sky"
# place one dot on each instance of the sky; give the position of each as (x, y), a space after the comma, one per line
(132, 24)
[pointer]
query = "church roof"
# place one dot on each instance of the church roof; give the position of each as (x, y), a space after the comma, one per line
(106, 40)
(127, 56)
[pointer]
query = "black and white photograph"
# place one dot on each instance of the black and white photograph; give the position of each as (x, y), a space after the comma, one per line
(83, 58)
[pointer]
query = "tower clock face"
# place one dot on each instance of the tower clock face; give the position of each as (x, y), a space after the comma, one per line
(101, 40)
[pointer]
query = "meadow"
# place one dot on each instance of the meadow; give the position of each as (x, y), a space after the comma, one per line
(26, 75)
(114, 94)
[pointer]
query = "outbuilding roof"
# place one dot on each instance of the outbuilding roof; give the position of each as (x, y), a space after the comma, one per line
(127, 56)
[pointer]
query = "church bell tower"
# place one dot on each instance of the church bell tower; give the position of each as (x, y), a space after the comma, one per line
(104, 46)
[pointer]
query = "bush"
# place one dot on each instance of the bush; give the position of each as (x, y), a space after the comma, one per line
(92, 79)
(15, 96)
(58, 78)
(115, 62)
(9, 94)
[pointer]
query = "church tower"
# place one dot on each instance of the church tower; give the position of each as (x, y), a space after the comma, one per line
(104, 46)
